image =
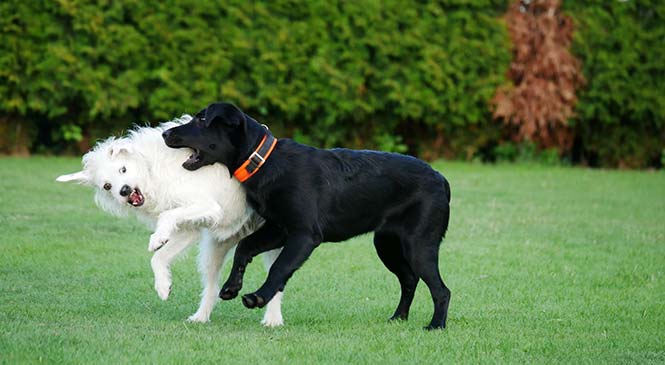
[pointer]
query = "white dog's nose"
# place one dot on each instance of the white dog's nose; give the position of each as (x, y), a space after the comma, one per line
(125, 190)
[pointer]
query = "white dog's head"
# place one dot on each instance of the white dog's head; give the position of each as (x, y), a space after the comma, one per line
(117, 174)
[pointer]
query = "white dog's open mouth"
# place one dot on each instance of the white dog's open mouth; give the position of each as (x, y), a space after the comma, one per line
(136, 198)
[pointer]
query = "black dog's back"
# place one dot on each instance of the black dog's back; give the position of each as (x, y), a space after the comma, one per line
(350, 191)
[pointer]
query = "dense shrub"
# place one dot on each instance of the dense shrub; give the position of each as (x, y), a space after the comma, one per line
(381, 74)
(621, 112)
(527, 152)
(545, 76)
(396, 75)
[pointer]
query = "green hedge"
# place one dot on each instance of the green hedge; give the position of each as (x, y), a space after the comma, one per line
(377, 74)
(621, 112)
(395, 75)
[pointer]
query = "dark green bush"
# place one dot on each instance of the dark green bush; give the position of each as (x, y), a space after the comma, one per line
(621, 112)
(526, 152)
(367, 73)
(396, 75)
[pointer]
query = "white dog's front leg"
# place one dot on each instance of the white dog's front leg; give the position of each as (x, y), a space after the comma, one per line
(211, 259)
(273, 314)
(168, 221)
(161, 260)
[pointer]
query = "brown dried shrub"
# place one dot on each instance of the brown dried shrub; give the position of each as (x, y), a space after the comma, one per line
(545, 75)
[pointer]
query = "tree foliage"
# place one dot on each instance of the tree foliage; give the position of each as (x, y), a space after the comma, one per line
(620, 118)
(544, 73)
(397, 75)
(362, 74)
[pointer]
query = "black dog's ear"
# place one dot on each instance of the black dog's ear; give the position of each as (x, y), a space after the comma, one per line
(223, 112)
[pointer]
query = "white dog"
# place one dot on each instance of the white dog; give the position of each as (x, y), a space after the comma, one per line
(140, 174)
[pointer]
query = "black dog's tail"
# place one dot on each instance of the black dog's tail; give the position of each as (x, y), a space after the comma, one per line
(446, 185)
(444, 206)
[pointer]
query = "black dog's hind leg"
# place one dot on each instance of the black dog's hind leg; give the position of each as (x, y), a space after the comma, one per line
(389, 249)
(425, 263)
(420, 228)
(298, 247)
(267, 238)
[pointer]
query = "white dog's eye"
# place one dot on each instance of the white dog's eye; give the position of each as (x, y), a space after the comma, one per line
(107, 186)
(123, 170)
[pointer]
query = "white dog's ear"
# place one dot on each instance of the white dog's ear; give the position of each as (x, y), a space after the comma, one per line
(78, 177)
(120, 150)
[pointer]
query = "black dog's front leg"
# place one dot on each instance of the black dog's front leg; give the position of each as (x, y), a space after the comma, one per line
(298, 248)
(265, 239)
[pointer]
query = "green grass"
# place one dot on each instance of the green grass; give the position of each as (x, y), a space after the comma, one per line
(546, 265)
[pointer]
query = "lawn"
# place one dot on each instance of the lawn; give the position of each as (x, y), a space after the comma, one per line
(546, 265)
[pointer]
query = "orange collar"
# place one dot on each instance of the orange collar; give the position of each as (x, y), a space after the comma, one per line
(256, 159)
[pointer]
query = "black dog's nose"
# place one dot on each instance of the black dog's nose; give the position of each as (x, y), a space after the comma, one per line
(169, 138)
(125, 190)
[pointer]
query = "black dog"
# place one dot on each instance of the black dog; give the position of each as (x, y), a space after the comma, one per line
(309, 196)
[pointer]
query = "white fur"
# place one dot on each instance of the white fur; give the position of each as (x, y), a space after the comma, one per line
(180, 206)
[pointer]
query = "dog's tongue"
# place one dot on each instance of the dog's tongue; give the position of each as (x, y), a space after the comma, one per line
(136, 198)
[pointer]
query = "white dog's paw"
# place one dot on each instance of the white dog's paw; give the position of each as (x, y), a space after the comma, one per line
(163, 288)
(199, 317)
(272, 319)
(157, 240)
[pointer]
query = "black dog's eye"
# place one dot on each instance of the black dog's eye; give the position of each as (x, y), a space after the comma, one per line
(123, 170)
(212, 146)
(107, 186)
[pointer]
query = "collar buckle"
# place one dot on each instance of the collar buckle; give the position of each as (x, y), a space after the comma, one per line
(256, 160)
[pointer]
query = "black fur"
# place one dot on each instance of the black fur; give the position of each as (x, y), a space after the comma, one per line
(309, 196)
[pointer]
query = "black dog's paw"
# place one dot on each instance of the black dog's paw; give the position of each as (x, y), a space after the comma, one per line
(399, 317)
(253, 301)
(433, 327)
(229, 292)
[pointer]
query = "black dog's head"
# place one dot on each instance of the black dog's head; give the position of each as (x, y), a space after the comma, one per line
(219, 133)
